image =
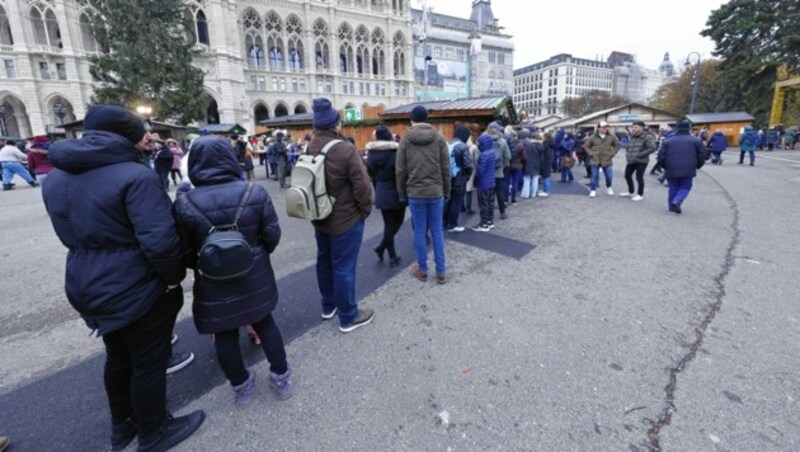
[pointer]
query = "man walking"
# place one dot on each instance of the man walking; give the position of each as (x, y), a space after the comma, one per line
(681, 156)
(11, 159)
(460, 171)
(747, 143)
(124, 268)
(642, 143)
(423, 178)
(339, 235)
(601, 149)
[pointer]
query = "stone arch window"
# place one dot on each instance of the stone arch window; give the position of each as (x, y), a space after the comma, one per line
(201, 27)
(362, 34)
(281, 110)
(362, 59)
(273, 22)
(295, 50)
(5, 29)
(16, 122)
(399, 42)
(60, 106)
(378, 56)
(87, 35)
(275, 48)
(321, 49)
(300, 109)
(251, 19)
(346, 56)
(255, 49)
(45, 25)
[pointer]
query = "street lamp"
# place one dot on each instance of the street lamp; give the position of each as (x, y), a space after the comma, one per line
(144, 110)
(695, 78)
(60, 111)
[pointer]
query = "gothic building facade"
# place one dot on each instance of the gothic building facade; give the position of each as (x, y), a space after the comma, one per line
(261, 58)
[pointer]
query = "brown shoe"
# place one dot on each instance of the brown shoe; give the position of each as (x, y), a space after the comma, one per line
(441, 278)
(503, 216)
(4, 443)
(418, 274)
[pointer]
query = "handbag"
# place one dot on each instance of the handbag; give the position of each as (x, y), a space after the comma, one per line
(567, 161)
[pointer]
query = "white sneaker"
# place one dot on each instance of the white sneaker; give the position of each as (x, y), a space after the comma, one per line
(637, 198)
(625, 195)
(610, 191)
(543, 194)
(456, 229)
(592, 194)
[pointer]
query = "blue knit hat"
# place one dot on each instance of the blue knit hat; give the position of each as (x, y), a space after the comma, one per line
(325, 116)
(683, 126)
(419, 114)
(485, 142)
(116, 119)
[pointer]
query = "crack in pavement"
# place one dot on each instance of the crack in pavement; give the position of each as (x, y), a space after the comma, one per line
(665, 417)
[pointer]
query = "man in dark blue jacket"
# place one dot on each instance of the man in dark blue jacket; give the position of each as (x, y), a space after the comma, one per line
(681, 156)
(124, 268)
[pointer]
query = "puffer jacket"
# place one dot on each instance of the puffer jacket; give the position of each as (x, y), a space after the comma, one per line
(110, 210)
(682, 155)
(423, 164)
(535, 152)
(748, 140)
(640, 147)
(718, 142)
(484, 171)
(215, 173)
(502, 154)
(381, 162)
(601, 150)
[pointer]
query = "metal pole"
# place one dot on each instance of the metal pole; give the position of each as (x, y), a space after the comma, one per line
(695, 81)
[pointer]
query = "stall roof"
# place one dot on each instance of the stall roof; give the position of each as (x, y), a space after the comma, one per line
(571, 122)
(710, 118)
(477, 103)
(158, 125)
(283, 121)
(223, 128)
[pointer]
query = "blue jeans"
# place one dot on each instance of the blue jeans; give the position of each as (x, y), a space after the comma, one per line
(508, 179)
(426, 213)
(566, 175)
(516, 181)
(337, 256)
(607, 170)
(453, 208)
(12, 168)
(679, 189)
(546, 184)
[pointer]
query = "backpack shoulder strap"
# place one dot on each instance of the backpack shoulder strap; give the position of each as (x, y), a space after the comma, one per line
(197, 212)
(328, 147)
(245, 197)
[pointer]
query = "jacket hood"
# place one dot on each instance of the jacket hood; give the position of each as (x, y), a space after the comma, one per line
(494, 133)
(213, 161)
(95, 149)
(748, 129)
(382, 146)
(422, 134)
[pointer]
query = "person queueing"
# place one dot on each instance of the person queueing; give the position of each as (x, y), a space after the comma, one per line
(641, 144)
(717, 143)
(460, 171)
(681, 156)
(223, 307)
(124, 268)
(747, 144)
(485, 182)
(566, 153)
(381, 161)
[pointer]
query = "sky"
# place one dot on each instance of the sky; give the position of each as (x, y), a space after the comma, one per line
(585, 31)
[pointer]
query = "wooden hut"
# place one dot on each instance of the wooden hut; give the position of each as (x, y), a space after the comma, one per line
(731, 124)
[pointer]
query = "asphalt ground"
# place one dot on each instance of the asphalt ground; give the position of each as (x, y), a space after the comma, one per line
(576, 324)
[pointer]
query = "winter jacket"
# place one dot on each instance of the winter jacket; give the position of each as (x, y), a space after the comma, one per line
(601, 150)
(640, 147)
(748, 140)
(464, 162)
(163, 160)
(381, 162)
(567, 147)
(502, 154)
(484, 171)
(423, 164)
(110, 210)
(534, 150)
(546, 168)
(682, 155)
(177, 153)
(9, 153)
(519, 156)
(473, 154)
(214, 171)
(718, 142)
(347, 180)
(38, 161)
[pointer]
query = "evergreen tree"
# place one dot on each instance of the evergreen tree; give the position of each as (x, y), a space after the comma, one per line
(146, 58)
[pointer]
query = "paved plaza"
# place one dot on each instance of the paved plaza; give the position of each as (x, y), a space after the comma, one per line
(576, 324)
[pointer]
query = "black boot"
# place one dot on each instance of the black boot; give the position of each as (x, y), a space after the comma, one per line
(379, 251)
(7, 187)
(122, 433)
(171, 432)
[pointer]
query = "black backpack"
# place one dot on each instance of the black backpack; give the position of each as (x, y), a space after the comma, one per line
(225, 254)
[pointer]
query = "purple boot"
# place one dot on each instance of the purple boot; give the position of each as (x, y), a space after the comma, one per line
(282, 384)
(245, 392)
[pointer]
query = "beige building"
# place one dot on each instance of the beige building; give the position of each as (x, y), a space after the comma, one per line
(261, 58)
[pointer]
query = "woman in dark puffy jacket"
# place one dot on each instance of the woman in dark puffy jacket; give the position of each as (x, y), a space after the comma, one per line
(381, 158)
(222, 307)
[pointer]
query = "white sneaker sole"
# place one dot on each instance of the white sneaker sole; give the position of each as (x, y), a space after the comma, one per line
(330, 315)
(171, 370)
(349, 328)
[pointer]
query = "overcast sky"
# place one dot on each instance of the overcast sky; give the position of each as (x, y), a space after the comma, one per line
(587, 29)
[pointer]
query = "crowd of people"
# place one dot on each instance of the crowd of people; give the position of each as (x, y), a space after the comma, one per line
(130, 244)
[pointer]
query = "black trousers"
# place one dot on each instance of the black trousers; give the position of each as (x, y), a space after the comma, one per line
(229, 354)
(136, 364)
(486, 205)
(499, 186)
(392, 221)
(639, 169)
(453, 207)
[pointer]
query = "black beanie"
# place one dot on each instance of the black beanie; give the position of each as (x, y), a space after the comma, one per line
(116, 119)
(419, 114)
(382, 133)
(462, 132)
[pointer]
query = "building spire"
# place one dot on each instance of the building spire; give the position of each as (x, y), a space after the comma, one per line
(482, 14)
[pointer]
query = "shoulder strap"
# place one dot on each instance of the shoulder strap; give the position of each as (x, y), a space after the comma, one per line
(245, 198)
(328, 147)
(197, 212)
